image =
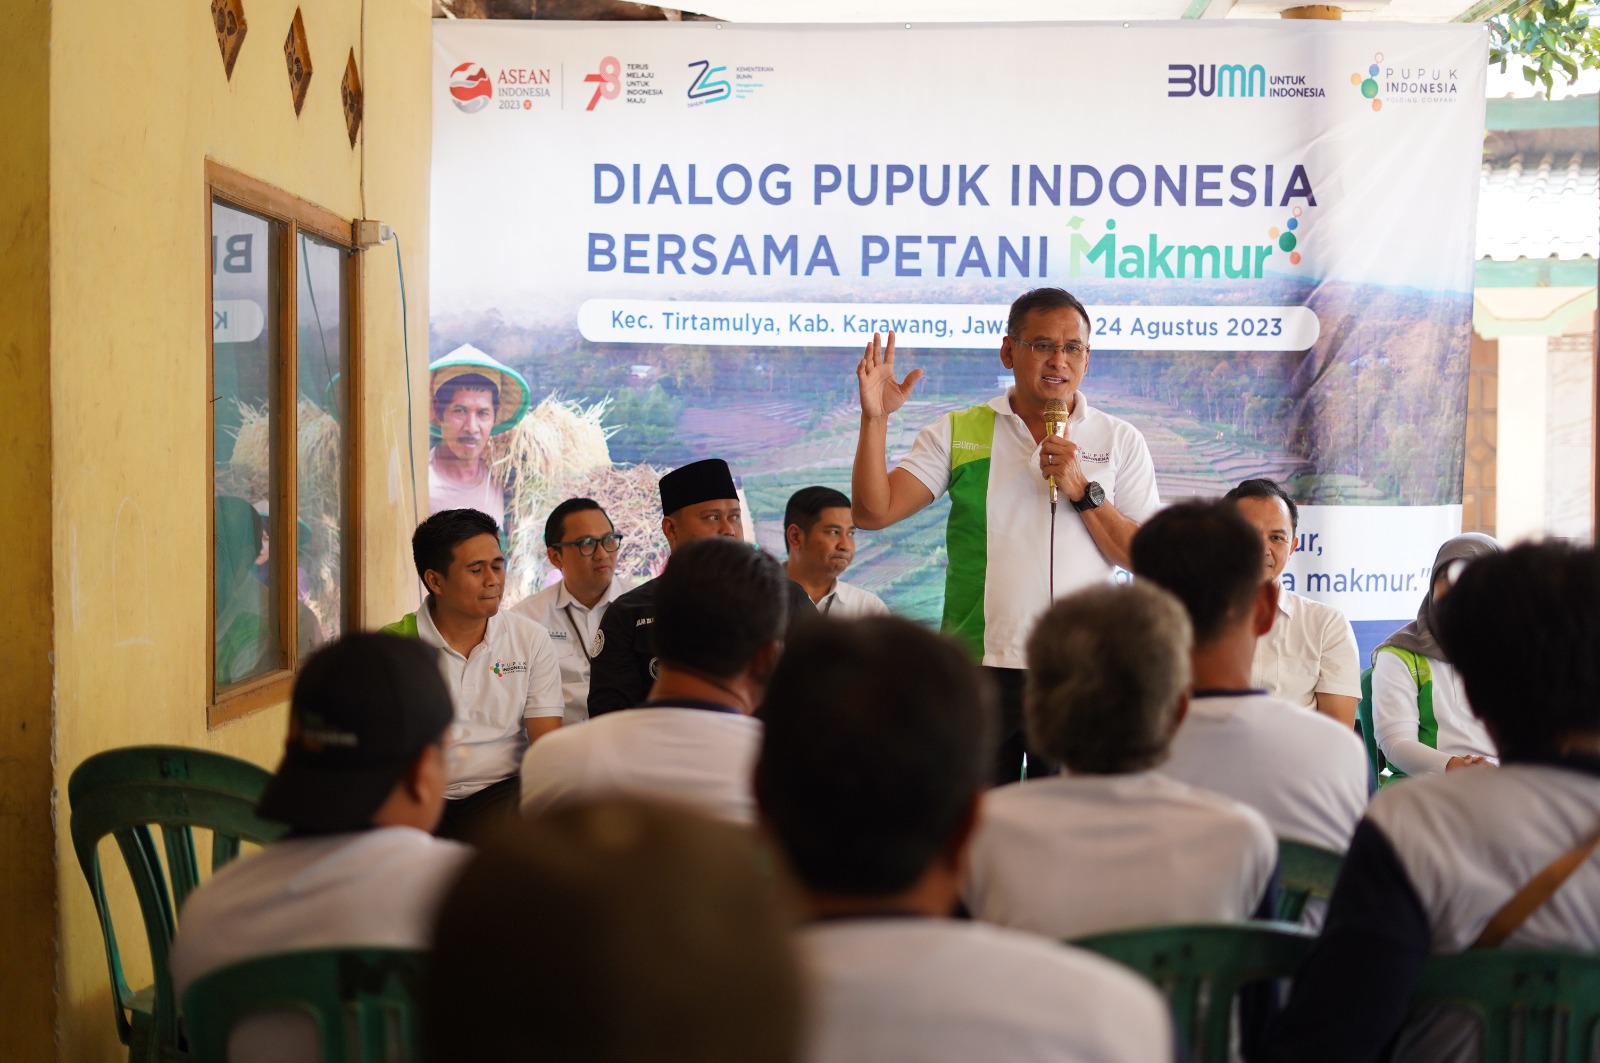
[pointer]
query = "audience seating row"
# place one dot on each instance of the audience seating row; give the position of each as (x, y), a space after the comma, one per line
(1532, 1005)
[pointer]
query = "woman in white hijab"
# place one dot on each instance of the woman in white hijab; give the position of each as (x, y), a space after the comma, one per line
(1420, 713)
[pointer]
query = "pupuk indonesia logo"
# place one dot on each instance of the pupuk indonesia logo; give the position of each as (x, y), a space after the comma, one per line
(1368, 83)
(1287, 237)
(470, 89)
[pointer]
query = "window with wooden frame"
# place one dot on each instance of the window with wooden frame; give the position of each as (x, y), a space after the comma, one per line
(284, 289)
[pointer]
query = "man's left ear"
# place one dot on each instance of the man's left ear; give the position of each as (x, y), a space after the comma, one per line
(765, 661)
(1266, 610)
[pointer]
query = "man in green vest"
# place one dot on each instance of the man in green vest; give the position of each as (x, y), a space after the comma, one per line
(1010, 552)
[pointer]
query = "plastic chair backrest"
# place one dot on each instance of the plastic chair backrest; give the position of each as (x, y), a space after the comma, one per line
(1532, 1005)
(1304, 871)
(1368, 736)
(361, 999)
(1200, 968)
(125, 793)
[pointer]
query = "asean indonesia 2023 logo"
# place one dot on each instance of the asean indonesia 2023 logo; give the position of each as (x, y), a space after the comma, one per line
(470, 89)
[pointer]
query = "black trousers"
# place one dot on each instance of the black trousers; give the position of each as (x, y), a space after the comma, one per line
(1009, 762)
(466, 819)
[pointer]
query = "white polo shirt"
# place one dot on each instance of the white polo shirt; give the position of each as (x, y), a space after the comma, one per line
(1017, 573)
(1078, 854)
(510, 676)
(376, 887)
(572, 627)
(695, 756)
(1310, 650)
(1396, 718)
(1303, 771)
(846, 601)
(916, 990)
(1469, 840)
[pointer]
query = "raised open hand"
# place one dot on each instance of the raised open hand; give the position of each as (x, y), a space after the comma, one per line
(881, 394)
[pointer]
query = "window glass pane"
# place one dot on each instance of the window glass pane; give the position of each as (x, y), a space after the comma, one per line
(245, 422)
(322, 370)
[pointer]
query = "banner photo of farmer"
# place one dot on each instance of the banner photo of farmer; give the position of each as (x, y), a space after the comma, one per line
(683, 237)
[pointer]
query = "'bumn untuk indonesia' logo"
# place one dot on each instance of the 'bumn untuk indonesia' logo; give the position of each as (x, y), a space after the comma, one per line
(470, 89)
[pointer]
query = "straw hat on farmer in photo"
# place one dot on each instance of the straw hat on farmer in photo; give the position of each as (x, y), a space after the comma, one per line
(466, 361)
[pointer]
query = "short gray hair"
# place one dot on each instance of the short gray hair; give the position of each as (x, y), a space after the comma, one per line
(1106, 670)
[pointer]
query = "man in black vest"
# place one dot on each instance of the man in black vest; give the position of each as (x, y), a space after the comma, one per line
(698, 501)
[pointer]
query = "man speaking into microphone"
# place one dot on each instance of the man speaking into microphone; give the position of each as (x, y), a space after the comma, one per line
(1010, 550)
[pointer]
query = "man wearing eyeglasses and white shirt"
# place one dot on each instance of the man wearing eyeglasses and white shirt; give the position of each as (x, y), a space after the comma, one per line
(581, 543)
(995, 461)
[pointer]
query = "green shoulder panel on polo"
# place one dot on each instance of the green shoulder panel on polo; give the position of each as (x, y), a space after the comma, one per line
(1422, 675)
(967, 531)
(405, 627)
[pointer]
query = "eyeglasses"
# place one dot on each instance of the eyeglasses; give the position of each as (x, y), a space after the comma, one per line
(1050, 350)
(586, 546)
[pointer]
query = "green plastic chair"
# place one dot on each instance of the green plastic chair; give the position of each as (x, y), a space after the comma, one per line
(361, 999)
(127, 792)
(1532, 1005)
(1200, 968)
(1304, 871)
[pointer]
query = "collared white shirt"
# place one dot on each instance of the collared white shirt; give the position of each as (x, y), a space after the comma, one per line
(914, 990)
(695, 756)
(1080, 854)
(572, 627)
(1305, 772)
(1018, 578)
(375, 887)
(847, 600)
(1310, 650)
(509, 677)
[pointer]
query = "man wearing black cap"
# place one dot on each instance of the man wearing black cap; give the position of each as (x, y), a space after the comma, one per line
(361, 786)
(698, 501)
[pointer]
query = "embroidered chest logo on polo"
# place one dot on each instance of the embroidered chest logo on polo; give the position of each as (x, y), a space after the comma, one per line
(509, 668)
(1084, 455)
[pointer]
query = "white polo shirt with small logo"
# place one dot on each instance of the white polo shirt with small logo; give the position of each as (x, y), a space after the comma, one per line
(1017, 580)
(1310, 650)
(573, 627)
(846, 601)
(509, 677)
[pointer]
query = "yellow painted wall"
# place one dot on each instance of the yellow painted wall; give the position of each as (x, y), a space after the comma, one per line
(27, 868)
(138, 102)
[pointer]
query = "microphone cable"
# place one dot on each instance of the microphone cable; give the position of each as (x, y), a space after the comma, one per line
(1052, 552)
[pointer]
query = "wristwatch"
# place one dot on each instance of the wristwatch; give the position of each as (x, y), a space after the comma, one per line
(1093, 498)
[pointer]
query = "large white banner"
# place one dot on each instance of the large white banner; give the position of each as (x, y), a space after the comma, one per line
(686, 233)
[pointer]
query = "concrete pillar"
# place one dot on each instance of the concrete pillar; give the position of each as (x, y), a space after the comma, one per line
(1521, 454)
